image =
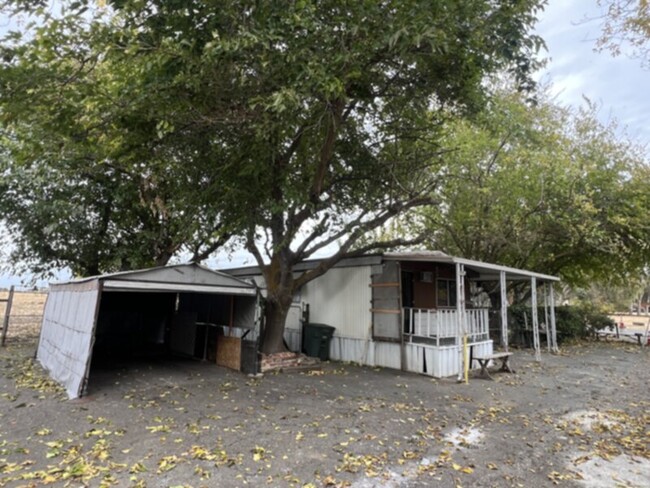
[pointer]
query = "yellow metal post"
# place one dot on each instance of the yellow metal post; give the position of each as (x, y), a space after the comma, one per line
(466, 359)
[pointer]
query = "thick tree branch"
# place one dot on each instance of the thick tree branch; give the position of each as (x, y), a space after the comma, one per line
(359, 230)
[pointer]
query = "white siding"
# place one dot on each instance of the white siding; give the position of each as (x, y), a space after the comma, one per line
(341, 298)
(441, 361)
(67, 334)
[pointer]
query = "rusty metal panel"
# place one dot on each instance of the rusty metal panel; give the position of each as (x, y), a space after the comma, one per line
(386, 302)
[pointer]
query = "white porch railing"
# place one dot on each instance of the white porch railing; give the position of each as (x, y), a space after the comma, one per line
(442, 325)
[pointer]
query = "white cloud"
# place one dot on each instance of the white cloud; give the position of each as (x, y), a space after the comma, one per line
(617, 84)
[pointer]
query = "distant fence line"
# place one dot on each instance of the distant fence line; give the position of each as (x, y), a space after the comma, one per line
(26, 313)
(23, 289)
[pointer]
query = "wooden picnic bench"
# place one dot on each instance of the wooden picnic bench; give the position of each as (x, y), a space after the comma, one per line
(605, 334)
(484, 362)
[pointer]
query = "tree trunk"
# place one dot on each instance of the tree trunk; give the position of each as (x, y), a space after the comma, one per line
(279, 285)
(276, 317)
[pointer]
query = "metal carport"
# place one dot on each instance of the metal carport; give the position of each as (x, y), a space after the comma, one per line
(164, 308)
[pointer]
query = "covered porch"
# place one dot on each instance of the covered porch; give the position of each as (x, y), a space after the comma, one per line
(446, 310)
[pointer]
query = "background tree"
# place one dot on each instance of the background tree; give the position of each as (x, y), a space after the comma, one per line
(321, 119)
(91, 178)
(626, 24)
(546, 188)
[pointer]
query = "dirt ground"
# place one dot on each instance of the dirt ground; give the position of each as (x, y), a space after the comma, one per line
(580, 418)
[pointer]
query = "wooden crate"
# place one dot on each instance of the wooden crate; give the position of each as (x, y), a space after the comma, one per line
(229, 352)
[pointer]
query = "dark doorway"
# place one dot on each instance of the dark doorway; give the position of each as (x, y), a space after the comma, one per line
(407, 298)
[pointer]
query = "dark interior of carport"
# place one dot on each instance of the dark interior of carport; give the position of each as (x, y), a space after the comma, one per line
(163, 324)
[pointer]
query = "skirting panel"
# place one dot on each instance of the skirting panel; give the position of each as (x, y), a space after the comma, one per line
(293, 339)
(441, 362)
(434, 361)
(354, 350)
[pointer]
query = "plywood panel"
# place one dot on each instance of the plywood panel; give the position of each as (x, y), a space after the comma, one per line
(229, 352)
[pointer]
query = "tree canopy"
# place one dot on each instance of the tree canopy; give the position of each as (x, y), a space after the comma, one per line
(546, 188)
(91, 177)
(312, 123)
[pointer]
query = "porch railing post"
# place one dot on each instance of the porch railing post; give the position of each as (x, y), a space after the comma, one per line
(546, 326)
(460, 321)
(553, 329)
(533, 299)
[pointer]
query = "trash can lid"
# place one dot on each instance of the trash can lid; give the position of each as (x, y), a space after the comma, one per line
(321, 326)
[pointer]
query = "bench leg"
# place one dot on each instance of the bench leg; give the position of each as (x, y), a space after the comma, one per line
(484, 368)
(505, 365)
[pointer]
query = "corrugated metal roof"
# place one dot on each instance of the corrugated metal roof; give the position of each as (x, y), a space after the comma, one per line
(487, 271)
(180, 277)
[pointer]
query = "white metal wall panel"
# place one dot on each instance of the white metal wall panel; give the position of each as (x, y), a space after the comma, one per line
(354, 350)
(387, 355)
(293, 339)
(341, 298)
(67, 330)
(294, 317)
(440, 361)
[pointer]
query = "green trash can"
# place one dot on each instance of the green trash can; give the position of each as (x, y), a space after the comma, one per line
(316, 340)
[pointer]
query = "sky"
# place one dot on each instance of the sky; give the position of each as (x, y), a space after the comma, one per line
(619, 85)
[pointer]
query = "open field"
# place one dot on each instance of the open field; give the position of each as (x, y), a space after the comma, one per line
(632, 321)
(26, 313)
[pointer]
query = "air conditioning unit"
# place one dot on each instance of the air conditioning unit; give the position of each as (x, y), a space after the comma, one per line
(426, 276)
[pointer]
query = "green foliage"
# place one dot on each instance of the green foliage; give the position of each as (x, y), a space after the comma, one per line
(545, 188)
(571, 321)
(92, 178)
(306, 124)
(597, 320)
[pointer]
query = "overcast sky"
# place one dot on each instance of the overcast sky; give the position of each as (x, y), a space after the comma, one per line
(619, 85)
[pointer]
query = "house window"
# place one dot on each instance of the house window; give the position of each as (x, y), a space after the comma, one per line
(446, 293)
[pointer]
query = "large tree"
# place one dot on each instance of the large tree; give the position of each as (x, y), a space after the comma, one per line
(321, 119)
(90, 176)
(539, 186)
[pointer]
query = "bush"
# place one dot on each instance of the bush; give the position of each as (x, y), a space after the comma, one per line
(571, 322)
(598, 320)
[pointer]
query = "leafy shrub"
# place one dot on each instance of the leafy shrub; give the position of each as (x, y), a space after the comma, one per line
(571, 322)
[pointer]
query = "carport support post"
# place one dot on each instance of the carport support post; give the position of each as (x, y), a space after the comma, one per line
(554, 347)
(460, 322)
(504, 311)
(533, 303)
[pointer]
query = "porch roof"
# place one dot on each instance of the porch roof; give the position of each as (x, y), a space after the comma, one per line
(486, 271)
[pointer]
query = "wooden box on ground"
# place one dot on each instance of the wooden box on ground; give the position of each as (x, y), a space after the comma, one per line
(229, 352)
